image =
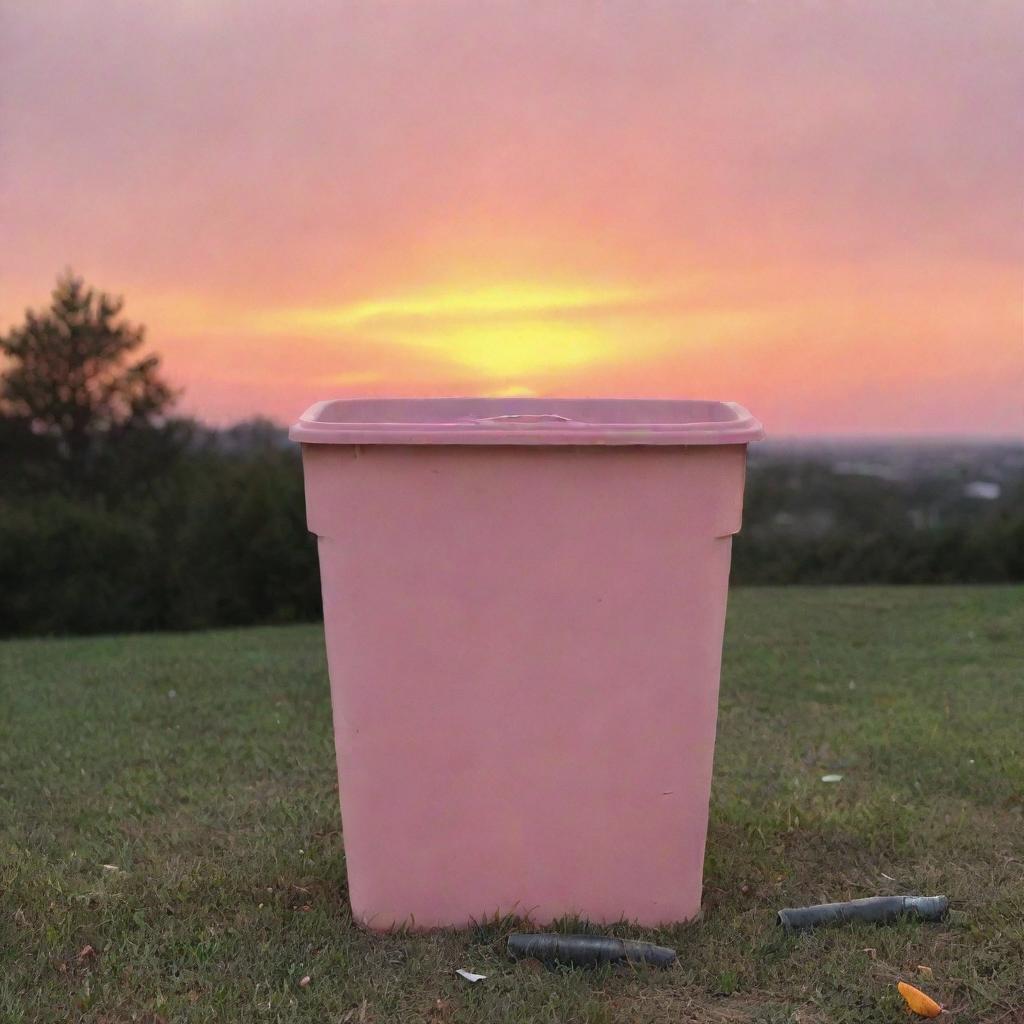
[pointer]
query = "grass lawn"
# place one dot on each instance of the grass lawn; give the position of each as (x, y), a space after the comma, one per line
(168, 805)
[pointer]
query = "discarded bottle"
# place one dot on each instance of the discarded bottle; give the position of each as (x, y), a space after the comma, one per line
(588, 950)
(879, 909)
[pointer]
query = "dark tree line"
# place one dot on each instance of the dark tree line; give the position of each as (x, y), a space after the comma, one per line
(808, 521)
(116, 514)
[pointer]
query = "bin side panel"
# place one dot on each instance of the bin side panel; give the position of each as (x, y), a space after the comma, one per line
(524, 648)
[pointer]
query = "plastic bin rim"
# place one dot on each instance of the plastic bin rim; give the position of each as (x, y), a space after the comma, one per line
(526, 421)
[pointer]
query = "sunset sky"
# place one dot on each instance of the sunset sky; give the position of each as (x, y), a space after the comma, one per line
(814, 208)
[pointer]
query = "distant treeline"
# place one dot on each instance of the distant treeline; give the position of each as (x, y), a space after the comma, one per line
(182, 528)
(883, 513)
(208, 530)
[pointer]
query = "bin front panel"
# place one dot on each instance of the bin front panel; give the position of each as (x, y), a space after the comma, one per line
(524, 647)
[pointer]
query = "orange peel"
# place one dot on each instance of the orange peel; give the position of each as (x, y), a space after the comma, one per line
(919, 1003)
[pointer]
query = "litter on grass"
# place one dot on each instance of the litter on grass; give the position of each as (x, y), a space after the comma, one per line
(831, 778)
(919, 1003)
(469, 975)
(876, 909)
(587, 950)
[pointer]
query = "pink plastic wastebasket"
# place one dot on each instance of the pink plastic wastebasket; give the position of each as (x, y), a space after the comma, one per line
(523, 604)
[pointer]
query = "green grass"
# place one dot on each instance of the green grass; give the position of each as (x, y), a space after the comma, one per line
(200, 768)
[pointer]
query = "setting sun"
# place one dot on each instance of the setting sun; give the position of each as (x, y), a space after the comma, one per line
(502, 333)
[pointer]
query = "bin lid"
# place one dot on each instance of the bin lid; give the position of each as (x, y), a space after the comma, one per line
(505, 421)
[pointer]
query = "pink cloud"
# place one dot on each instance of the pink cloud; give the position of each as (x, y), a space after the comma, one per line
(851, 170)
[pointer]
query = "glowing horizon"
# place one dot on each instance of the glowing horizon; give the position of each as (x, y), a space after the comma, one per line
(811, 211)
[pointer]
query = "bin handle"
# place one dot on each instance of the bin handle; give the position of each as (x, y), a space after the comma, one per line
(526, 418)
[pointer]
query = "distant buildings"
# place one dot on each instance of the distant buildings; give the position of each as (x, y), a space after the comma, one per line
(985, 490)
